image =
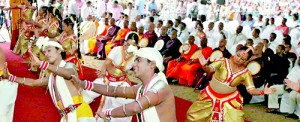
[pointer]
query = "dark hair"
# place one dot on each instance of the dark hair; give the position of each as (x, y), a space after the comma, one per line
(88, 2)
(111, 14)
(129, 3)
(272, 19)
(289, 44)
(282, 47)
(287, 39)
(250, 15)
(201, 25)
(151, 19)
(266, 40)
(160, 21)
(55, 12)
(170, 22)
(178, 20)
(257, 31)
(183, 24)
(156, 70)
(44, 9)
(250, 53)
(133, 36)
(70, 20)
(249, 40)
(296, 15)
(274, 34)
(63, 54)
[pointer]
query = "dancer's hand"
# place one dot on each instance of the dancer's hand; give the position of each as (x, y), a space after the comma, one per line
(5, 73)
(37, 61)
(202, 59)
(268, 90)
(102, 115)
(292, 85)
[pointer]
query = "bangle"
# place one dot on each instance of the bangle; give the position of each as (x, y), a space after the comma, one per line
(124, 109)
(88, 85)
(106, 88)
(44, 65)
(107, 113)
(262, 92)
(115, 91)
(12, 78)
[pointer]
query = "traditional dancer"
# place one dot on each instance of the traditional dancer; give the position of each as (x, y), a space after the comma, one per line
(64, 94)
(220, 100)
(154, 97)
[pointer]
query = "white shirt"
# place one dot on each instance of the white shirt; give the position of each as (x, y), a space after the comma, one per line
(202, 9)
(140, 4)
(191, 6)
(183, 36)
(209, 33)
(237, 37)
(85, 11)
(132, 13)
(101, 8)
(72, 8)
(256, 41)
(116, 11)
(157, 31)
(258, 24)
(273, 45)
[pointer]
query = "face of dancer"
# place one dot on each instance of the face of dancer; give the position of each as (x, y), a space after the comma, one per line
(66, 27)
(142, 66)
(240, 58)
(52, 54)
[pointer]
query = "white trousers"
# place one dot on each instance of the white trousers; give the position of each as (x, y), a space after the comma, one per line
(112, 102)
(273, 98)
(8, 95)
(84, 47)
(260, 98)
(294, 99)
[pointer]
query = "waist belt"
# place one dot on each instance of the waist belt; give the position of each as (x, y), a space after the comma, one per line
(70, 108)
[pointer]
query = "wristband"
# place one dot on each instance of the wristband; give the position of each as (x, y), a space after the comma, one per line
(88, 85)
(107, 113)
(262, 92)
(12, 78)
(44, 65)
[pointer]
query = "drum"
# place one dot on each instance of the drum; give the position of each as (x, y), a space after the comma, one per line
(143, 42)
(216, 55)
(196, 54)
(185, 48)
(254, 67)
(159, 44)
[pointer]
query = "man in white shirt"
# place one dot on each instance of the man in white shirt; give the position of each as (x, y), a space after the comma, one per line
(86, 10)
(272, 26)
(182, 34)
(132, 13)
(116, 10)
(203, 8)
(102, 7)
(192, 10)
(73, 8)
(140, 7)
(138, 21)
(273, 45)
(176, 24)
(259, 23)
(238, 36)
(210, 31)
(158, 27)
(256, 38)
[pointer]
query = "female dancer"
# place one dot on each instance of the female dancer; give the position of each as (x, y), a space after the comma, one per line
(220, 100)
(115, 72)
(69, 42)
(26, 13)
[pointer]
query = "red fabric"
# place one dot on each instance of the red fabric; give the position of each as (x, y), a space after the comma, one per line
(188, 71)
(34, 104)
(14, 38)
(75, 60)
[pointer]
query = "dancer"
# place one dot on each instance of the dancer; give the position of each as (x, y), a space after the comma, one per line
(220, 100)
(68, 40)
(154, 97)
(64, 94)
(114, 72)
(8, 92)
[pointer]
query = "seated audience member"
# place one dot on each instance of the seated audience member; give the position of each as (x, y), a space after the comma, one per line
(256, 38)
(292, 84)
(92, 48)
(222, 48)
(188, 70)
(118, 40)
(101, 41)
(238, 36)
(170, 50)
(151, 35)
(174, 66)
(183, 34)
(279, 67)
(283, 28)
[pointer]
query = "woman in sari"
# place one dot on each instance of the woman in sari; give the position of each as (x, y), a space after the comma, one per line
(69, 42)
(220, 100)
(54, 26)
(26, 13)
(40, 21)
(114, 72)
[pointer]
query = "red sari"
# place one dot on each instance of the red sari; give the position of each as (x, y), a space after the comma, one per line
(174, 67)
(188, 71)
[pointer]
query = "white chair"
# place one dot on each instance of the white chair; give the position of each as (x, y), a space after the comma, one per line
(211, 43)
(265, 34)
(295, 34)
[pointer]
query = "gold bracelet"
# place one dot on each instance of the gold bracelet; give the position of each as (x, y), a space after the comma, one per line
(124, 92)
(56, 70)
(115, 91)
(23, 81)
(124, 109)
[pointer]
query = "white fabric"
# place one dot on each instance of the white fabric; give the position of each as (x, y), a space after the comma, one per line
(273, 98)
(236, 38)
(273, 45)
(131, 14)
(8, 94)
(72, 8)
(85, 11)
(184, 35)
(116, 54)
(87, 30)
(153, 55)
(256, 40)
(63, 92)
(101, 8)
(53, 43)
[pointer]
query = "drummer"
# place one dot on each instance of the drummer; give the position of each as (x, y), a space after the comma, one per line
(222, 48)
(186, 50)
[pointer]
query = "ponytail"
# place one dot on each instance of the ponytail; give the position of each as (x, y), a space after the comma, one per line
(75, 22)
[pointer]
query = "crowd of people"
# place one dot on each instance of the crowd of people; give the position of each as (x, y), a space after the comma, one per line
(242, 52)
